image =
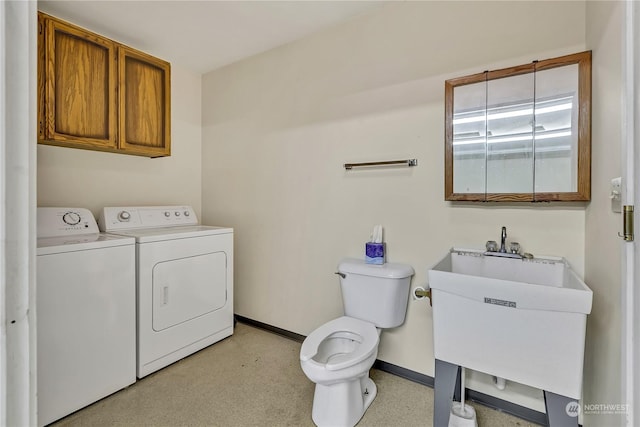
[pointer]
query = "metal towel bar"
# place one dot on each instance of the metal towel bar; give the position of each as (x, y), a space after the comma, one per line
(407, 162)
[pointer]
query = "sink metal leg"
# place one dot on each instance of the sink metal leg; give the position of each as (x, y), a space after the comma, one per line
(445, 388)
(562, 411)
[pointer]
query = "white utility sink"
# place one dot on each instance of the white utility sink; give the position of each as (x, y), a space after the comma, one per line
(520, 319)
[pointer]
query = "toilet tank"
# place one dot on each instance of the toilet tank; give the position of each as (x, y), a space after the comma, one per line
(376, 293)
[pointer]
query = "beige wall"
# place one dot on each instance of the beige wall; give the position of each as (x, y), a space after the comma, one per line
(605, 23)
(277, 128)
(91, 179)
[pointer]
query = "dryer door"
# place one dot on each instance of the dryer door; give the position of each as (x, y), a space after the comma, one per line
(186, 288)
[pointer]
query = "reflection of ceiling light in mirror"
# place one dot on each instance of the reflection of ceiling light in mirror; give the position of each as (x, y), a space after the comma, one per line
(514, 113)
(515, 138)
(467, 134)
(517, 151)
(554, 134)
(529, 137)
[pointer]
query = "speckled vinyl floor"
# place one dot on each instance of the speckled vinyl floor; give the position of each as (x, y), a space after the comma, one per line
(253, 378)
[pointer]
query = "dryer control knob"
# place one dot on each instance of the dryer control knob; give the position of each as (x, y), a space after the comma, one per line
(177, 213)
(167, 214)
(186, 213)
(124, 216)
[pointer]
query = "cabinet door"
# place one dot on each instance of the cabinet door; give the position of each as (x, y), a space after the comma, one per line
(145, 100)
(77, 88)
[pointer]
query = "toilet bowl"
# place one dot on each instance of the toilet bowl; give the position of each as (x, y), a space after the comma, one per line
(337, 357)
(337, 348)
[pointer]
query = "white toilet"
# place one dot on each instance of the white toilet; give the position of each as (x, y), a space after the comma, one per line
(338, 355)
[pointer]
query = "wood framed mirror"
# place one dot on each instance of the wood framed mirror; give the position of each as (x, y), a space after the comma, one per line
(520, 134)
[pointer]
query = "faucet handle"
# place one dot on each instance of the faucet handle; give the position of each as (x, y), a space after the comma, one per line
(514, 247)
(492, 246)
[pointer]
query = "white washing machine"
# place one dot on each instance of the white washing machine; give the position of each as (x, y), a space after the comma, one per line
(184, 281)
(85, 310)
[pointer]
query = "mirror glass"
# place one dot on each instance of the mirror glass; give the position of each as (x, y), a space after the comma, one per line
(556, 138)
(469, 142)
(521, 133)
(510, 134)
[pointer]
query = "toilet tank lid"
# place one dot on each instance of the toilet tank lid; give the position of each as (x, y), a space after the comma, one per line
(387, 270)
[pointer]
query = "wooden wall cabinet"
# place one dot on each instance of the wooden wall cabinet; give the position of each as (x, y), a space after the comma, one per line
(145, 112)
(97, 94)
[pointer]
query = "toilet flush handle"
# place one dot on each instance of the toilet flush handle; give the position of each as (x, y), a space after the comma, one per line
(340, 274)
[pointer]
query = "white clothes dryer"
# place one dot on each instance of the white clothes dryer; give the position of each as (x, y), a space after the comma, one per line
(184, 281)
(85, 311)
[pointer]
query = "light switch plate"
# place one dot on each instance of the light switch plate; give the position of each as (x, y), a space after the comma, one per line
(616, 194)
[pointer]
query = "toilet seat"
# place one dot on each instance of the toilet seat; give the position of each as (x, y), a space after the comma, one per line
(348, 325)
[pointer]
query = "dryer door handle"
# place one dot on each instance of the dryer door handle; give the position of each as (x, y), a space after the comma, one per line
(165, 295)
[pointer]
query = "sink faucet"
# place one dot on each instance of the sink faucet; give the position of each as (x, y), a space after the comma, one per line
(512, 252)
(503, 240)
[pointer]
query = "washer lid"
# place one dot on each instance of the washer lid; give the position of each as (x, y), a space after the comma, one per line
(54, 245)
(148, 235)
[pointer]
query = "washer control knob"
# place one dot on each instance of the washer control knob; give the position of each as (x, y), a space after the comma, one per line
(177, 213)
(186, 213)
(124, 216)
(167, 214)
(71, 218)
